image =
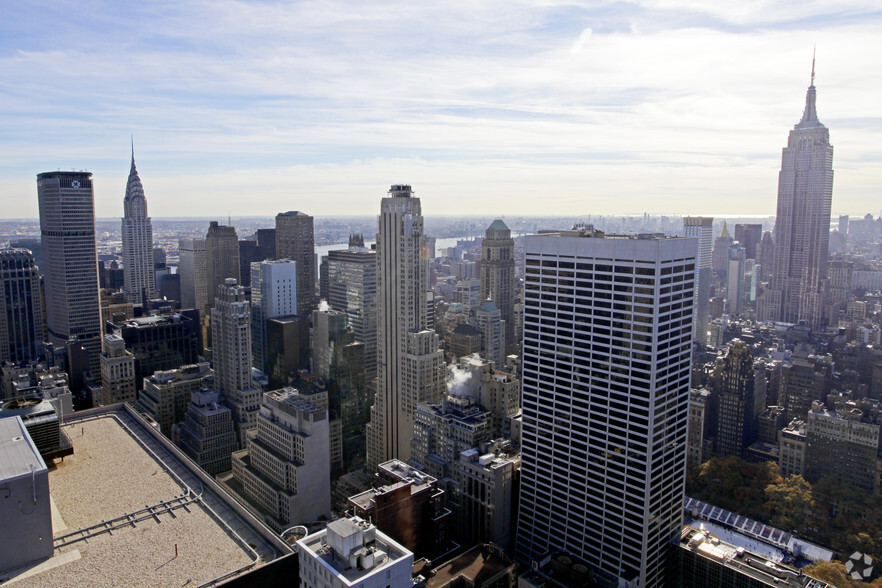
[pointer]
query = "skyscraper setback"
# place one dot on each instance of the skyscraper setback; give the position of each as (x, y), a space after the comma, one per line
(607, 353)
(67, 229)
(402, 280)
(802, 224)
(137, 242)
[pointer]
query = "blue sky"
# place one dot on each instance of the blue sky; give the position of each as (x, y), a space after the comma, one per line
(494, 107)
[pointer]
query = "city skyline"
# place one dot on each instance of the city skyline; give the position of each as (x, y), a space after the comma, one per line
(604, 108)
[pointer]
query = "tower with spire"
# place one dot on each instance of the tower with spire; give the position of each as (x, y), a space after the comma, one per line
(802, 225)
(137, 241)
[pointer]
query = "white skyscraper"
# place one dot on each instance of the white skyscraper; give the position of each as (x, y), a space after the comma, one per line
(273, 294)
(231, 356)
(702, 228)
(137, 242)
(607, 353)
(402, 281)
(70, 260)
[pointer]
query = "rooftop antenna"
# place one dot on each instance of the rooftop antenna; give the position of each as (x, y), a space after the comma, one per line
(814, 47)
(229, 218)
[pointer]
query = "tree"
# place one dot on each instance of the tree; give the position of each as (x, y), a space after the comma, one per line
(832, 572)
(790, 502)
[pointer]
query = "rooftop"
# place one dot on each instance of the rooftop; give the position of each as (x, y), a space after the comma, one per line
(18, 454)
(746, 562)
(386, 552)
(128, 509)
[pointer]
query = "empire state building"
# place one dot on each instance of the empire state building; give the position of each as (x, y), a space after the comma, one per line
(802, 225)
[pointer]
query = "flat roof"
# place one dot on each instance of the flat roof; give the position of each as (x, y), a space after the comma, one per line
(316, 546)
(18, 454)
(130, 511)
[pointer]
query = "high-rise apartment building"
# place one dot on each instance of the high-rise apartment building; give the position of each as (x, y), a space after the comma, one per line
(273, 294)
(702, 228)
(231, 356)
(352, 288)
(67, 229)
(498, 279)
(295, 240)
(21, 307)
(137, 242)
(802, 223)
(193, 267)
(221, 255)
(402, 281)
(606, 366)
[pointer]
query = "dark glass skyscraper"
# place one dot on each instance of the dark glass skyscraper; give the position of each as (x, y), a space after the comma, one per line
(67, 229)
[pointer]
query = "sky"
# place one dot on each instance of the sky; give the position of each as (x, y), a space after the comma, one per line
(495, 107)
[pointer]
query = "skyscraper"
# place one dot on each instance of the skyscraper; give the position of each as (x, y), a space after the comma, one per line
(607, 353)
(21, 307)
(295, 240)
(802, 223)
(352, 288)
(749, 235)
(720, 256)
(231, 356)
(402, 281)
(221, 255)
(740, 402)
(702, 228)
(67, 229)
(193, 267)
(273, 294)
(137, 242)
(735, 290)
(498, 279)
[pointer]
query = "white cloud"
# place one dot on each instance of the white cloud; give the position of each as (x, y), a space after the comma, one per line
(602, 105)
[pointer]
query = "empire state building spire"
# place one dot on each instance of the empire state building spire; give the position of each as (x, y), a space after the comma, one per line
(137, 241)
(810, 114)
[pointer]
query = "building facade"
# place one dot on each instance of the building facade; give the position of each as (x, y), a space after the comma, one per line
(285, 470)
(352, 288)
(67, 229)
(606, 366)
(402, 282)
(231, 356)
(193, 267)
(221, 255)
(273, 294)
(117, 372)
(702, 228)
(21, 307)
(498, 278)
(295, 240)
